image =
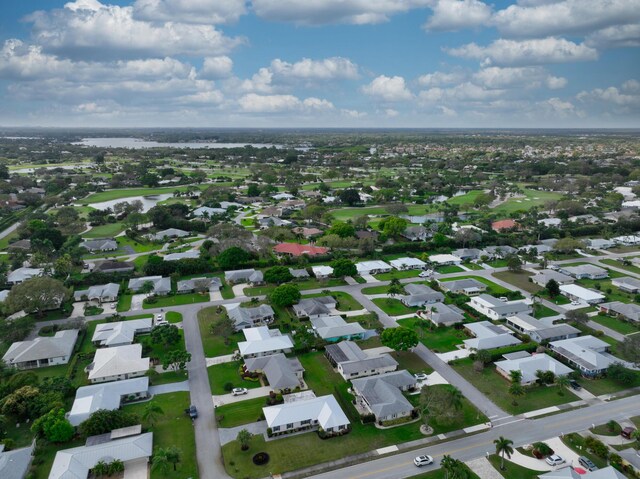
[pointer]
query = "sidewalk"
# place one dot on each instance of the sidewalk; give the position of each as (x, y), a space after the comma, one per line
(483, 469)
(228, 358)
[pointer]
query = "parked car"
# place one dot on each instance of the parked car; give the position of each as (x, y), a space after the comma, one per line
(575, 303)
(239, 391)
(503, 298)
(555, 460)
(420, 376)
(587, 464)
(575, 385)
(423, 461)
(627, 432)
(426, 274)
(193, 412)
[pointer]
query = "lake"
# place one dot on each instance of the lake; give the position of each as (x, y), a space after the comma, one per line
(137, 144)
(148, 202)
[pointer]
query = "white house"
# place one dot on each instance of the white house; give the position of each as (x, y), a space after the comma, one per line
(334, 328)
(191, 254)
(529, 365)
(120, 333)
(262, 341)
(577, 293)
(102, 293)
(586, 353)
(403, 264)
(42, 351)
(322, 272)
(373, 267)
(20, 275)
(352, 362)
(444, 259)
(467, 286)
(118, 363)
(585, 271)
(168, 234)
(489, 336)
(540, 330)
(496, 309)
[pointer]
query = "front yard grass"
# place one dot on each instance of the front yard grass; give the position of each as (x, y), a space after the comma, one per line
(376, 289)
(124, 303)
(173, 428)
(519, 280)
(495, 387)
(173, 316)
(621, 265)
(411, 362)
(606, 385)
(345, 301)
(448, 269)
(492, 288)
(511, 469)
(576, 442)
(215, 345)
(393, 307)
(622, 327)
(439, 340)
(175, 300)
(410, 273)
(166, 377)
(221, 374)
(311, 283)
(542, 311)
(239, 413)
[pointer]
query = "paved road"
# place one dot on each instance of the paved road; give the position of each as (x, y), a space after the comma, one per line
(521, 431)
(10, 229)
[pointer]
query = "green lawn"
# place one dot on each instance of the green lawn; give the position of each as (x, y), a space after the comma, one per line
(465, 200)
(608, 386)
(215, 345)
(532, 198)
(104, 231)
(138, 247)
(174, 428)
(449, 269)
(606, 287)
(492, 288)
(519, 280)
(473, 266)
(411, 273)
(542, 311)
(124, 303)
(393, 307)
(376, 289)
(495, 387)
(513, 470)
(411, 362)
(345, 302)
(175, 300)
(622, 327)
(224, 373)
(173, 317)
(576, 442)
(127, 192)
(166, 377)
(238, 413)
(439, 340)
(619, 264)
(311, 283)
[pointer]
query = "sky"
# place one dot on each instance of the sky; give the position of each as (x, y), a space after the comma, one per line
(320, 63)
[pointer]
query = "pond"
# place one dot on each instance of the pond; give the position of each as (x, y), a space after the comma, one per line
(148, 202)
(138, 143)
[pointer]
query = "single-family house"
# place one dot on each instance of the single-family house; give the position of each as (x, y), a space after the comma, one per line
(489, 336)
(444, 260)
(627, 284)
(498, 252)
(207, 212)
(403, 264)
(295, 250)
(322, 271)
(117, 363)
(468, 286)
(584, 295)
(191, 254)
(420, 295)
(283, 196)
(304, 411)
(307, 233)
(600, 243)
(250, 276)
(586, 353)
(271, 221)
(416, 233)
(585, 271)
(334, 328)
(467, 254)
(250, 317)
(126, 445)
(529, 365)
(169, 233)
(541, 330)
(101, 245)
(367, 234)
(20, 245)
(542, 277)
(281, 372)
(352, 362)
(555, 222)
(382, 395)
(109, 266)
(627, 240)
(314, 307)
(300, 273)
(102, 293)
(497, 309)
(109, 396)
(120, 333)
(14, 464)
(535, 249)
(628, 311)
(161, 286)
(21, 275)
(442, 314)
(373, 267)
(199, 285)
(262, 341)
(42, 351)
(503, 225)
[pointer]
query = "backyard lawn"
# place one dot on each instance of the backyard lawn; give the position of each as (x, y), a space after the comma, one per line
(224, 373)
(519, 280)
(238, 413)
(439, 340)
(215, 345)
(495, 387)
(393, 307)
(175, 300)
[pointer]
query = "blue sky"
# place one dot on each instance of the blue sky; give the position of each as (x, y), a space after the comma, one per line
(315, 63)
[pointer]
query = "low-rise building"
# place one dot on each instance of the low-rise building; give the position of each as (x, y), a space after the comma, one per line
(584, 295)
(444, 260)
(585, 353)
(42, 351)
(529, 365)
(352, 362)
(296, 250)
(442, 314)
(627, 284)
(498, 252)
(109, 266)
(542, 277)
(262, 341)
(382, 395)
(299, 273)
(585, 271)
(497, 309)
(102, 293)
(101, 245)
(467, 254)
(160, 286)
(117, 363)
(14, 464)
(468, 286)
(21, 275)
(403, 264)
(334, 328)
(416, 233)
(599, 243)
(541, 330)
(120, 333)
(322, 271)
(281, 372)
(315, 307)
(199, 285)
(249, 317)
(373, 267)
(628, 311)
(420, 295)
(503, 225)
(169, 233)
(250, 276)
(489, 336)
(191, 254)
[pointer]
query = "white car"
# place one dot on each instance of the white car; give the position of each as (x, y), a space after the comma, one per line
(423, 461)
(575, 303)
(426, 274)
(420, 376)
(239, 391)
(555, 460)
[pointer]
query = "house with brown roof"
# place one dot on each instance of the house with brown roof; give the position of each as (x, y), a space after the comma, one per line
(296, 250)
(503, 225)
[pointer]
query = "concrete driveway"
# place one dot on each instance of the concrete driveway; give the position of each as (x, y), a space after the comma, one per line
(251, 394)
(136, 301)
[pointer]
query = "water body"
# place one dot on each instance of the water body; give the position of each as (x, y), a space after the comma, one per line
(138, 144)
(53, 167)
(148, 202)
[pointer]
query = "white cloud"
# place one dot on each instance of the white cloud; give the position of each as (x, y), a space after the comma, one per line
(388, 89)
(440, 79)
(557, 107)
(615, 37)
(216, 67)
(322, 12)
(317, 104)
(189, 11)
(526, 52)
(353, 113)
(254, 103)
(451, 15)
(628, 96)
(211, 97)
(307, 69)
(565, 17)
(518, 77)
(90, 29)
(391, 113)
(260, 82)
(449, 112)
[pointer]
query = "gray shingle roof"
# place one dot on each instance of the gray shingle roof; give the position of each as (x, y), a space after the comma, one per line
(15, 464)
(382, 393)
(60, 345)
(279, 370)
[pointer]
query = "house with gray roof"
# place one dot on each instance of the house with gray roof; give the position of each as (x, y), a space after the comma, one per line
(133, 450)
(199, 285)
(109, 396)
(207, 212)
(497, 309)
(244, 276)
(468, 286)
(281, 372)
(20, 245)
(541, 330)
(3, 295)
(467, 254)
(250, 317)
(42, 351)
(588, 354)
(487, 335)
(627, 284)
(334, 328)
(420, 295)
(262, 341)
(585, 271)
(352, 362)
(102, 293)
(100, 245)
(407, 263)
(498, 252)
(109, 266)
(191, 254)
(628, 311)
(542, 277)
(442, 314)
(21, 275)
(382, 395)
(314, 307)
(299, 273)
(599, 243)
(529, 365)
(15, 464)
(416, 233)
(161, 286)
(169, 233)
(120, 333)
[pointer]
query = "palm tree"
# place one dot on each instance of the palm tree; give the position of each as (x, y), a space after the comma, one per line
(503, 448)
(516, 390)
(562, 382)
(173, 456)
(244, 437)
(160, 461)
(151, 413)
(455, 398)
(115, 467)
(100, 469)
(448, 464)
(516, 376)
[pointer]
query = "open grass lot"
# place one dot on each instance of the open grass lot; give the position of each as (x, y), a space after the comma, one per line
(124, 303)
(137, 246)
(215, 345)
(519, 280)
(411, 273)
(542, 311)
(367, 321)
(619, 264)
(513, 470)
(439, 340)
(345, 302)
(532, 198)
(175, 300)
(174, 428)
(344, 214)
(173, 317)
(104, 231)
(238, 413)
(495, 387)
(465, 200)
(311, 283)
(411, 362)
(224, 373)
(127, 192)
(608, 386)
(448, 269)
(492, 288)
(393, 307)
(473, 266)
(622, 327)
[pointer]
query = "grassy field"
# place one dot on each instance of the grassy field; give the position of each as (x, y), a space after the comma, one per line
(439, 340)
(104, 231)
(542, 311)
(618, 264)
(532, 198)
(174, 428)
(495, 387)
(622, 327)
(608, 386)
(127, 192)
(345, 302)
(124, 303)
(175, 300)
(393, 307)
(224, 373)
(465, 200)
(411, 273)
(492, 288)
(215, 345)
(344, 214)
(173, 317)
(239, 413)
(519, 280)
(311, 283)
(376, 289)
(513, 470)
(449, 269)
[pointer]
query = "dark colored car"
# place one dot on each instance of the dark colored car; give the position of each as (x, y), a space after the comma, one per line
(574, 385)
(587, 464)
(193, 412)
(627, 432)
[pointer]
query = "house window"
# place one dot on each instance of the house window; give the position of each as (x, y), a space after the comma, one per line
(276, 428)
(290, 426)
(305, 422)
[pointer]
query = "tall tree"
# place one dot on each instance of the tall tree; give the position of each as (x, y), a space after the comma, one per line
(504, 447)
(37, 295)
(399, 339)
(151, 413)
(244, 438)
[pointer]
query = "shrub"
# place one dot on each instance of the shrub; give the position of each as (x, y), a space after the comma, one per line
(228, 386)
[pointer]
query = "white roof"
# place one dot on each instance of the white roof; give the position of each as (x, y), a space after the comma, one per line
(322, 270)
(22, 274)
(324, 409)
(75, 463)
(117, 361)
(531, 364)
(402, 262)
(184, 255)
(120, 332)
(580, 292)
(334, 326)
(489, 336)
(585, 351)
(444, 258)
(365, 266)
(263, 340)
(42, 347)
